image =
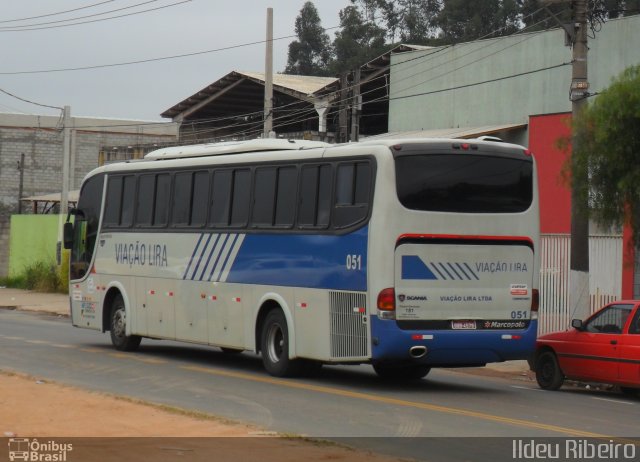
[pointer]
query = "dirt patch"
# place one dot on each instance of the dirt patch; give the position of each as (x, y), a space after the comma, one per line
(96, 423)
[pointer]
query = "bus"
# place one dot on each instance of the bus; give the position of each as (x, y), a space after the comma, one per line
(403, 254)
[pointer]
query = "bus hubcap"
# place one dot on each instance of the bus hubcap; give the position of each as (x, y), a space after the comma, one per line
(275, 342)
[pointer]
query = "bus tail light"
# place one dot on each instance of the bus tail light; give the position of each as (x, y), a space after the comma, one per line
(535, 303)
(387, 303)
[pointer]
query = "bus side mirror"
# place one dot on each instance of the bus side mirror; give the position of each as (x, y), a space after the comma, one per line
(67, 232)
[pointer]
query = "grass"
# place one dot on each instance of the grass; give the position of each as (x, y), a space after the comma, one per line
(41, 276)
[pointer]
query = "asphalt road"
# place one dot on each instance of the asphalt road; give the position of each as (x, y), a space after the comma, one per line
(346, 403)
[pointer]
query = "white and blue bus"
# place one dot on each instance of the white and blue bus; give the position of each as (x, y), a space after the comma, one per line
(406, 254)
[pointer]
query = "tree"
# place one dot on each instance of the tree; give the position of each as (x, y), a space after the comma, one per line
(464, 21)
(357, 41)
(311, 53)
(608, 148)
(407, 21)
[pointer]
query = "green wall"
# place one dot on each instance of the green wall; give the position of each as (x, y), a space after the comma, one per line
(33, 238)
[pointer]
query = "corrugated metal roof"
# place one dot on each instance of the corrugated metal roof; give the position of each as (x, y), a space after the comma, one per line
(301, 83)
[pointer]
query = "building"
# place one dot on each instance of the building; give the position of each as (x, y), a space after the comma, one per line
(518, 88)
(31, 158)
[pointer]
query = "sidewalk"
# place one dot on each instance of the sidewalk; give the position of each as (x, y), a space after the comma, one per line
(58, 304)
(28, 300)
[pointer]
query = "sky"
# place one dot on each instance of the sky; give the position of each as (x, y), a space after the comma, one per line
(136, 91)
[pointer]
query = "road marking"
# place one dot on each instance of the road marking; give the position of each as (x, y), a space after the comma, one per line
(15, 338)
(525, 388)
(92, 350)
(138, 358)
(37, 342)
(60, 345)
(397, 402)
(618, 401)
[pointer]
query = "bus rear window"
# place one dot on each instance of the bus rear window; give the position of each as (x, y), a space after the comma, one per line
(464, 183)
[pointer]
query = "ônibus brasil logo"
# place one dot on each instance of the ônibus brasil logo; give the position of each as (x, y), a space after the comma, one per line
(32, 450)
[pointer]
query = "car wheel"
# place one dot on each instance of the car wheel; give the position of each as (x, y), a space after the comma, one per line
(548, 373)
(632, 392)
(118, 327)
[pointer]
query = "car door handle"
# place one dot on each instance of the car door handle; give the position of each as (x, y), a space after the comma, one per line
(614, 342)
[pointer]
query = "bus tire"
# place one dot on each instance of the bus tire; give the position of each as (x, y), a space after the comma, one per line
(118, 327)
(274, 343)
(415, 372)
(548, 373)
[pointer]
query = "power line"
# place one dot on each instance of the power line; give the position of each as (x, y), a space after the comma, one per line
(98, 14)
(56, 14)
(28, 101)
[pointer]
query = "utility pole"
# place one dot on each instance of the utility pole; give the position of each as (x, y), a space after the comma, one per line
(579, 295)
(21, 184)
(64, 196)
(356, 107)
(268, 78)
(343, 119)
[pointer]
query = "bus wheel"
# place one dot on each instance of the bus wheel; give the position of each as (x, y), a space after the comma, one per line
(415, 372)
(274, 343)
(548, 373)
(118, 326)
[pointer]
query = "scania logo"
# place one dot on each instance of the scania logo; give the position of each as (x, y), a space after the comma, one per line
(408, 298)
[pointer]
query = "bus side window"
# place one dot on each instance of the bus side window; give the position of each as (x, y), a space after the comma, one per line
(161, 209)
(199, 195)
(181, 207)
(314, 210)
(353, 192)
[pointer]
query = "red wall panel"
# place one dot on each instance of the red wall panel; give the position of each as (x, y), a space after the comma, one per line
(555, 195)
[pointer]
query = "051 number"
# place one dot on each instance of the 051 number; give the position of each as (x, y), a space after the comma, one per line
(354, 262)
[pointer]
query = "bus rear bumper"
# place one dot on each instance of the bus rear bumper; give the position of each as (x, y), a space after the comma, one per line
(450, 348)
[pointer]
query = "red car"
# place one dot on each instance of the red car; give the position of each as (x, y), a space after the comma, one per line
(604, 348)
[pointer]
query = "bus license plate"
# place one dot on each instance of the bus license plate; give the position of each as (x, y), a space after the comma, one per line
(467, 325)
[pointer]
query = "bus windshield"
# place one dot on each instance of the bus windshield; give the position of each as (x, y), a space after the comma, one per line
(464, 183)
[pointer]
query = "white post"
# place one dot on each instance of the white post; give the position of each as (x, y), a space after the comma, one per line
(268, 77)
(64, 197)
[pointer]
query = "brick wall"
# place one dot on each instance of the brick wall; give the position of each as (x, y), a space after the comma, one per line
(42, 148)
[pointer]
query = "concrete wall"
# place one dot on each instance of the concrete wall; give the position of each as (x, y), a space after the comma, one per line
(443, 79)
(40, 139)
(33, 239)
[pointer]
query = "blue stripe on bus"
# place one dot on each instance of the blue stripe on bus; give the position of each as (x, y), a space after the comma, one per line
(206, 265)
(215, 264)
(414, 268)
(204, 249)
(303, 260)
(192, 257)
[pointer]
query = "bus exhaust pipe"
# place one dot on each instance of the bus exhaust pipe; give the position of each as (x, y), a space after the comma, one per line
(417, 351)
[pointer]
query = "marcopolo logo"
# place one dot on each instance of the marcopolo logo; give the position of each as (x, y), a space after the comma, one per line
(32, 450)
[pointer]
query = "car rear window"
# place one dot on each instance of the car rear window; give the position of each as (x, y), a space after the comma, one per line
(469, 183)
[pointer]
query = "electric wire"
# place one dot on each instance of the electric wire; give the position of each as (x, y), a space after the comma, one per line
(98, 20)
(57, 13)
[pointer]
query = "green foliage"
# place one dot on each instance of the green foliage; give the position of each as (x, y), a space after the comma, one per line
(607, 149)
(311, 53)
(357, 42)
(464, 21)
(41, 276)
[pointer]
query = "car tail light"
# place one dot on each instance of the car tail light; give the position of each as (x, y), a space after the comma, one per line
(535, 303)
(387, 303)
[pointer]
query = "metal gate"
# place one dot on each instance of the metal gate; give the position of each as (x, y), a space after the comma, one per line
(605, 277)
